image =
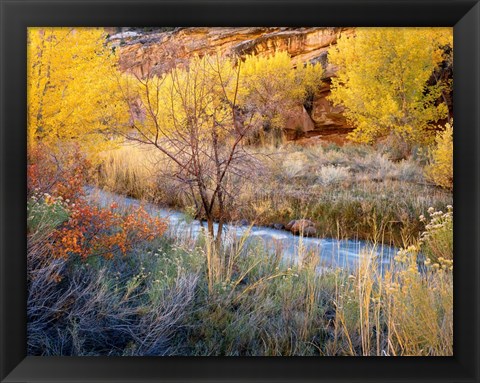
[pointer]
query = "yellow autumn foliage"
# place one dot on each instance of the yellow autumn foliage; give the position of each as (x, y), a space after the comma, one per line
(272, 86)
(72, 87)
(382, 81)
(202, 94)
(440, 170)
(185, 101)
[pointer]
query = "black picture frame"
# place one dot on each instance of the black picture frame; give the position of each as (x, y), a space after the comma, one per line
(17, 15)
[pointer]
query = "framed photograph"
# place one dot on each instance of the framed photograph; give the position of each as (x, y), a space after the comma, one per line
(240, 191)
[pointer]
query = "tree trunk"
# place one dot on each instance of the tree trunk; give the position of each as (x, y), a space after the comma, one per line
(218, 238)
(210, 228)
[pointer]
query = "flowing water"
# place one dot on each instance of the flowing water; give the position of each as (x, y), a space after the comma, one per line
(332, 252)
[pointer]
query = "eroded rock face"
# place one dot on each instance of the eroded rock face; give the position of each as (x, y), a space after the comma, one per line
(143, 53)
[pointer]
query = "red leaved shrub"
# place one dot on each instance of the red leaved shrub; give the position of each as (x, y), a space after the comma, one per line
(89, 230)
(62, 171)
(93, 231)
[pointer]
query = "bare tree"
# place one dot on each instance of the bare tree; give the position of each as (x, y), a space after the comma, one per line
(191, 115)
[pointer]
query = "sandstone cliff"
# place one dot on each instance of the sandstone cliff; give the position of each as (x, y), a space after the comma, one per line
(144, 51)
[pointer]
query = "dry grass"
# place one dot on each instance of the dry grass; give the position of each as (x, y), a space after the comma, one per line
(138, 172)
(404, 312)
(103, 307)
(178, 297)
(129, 171)
(271, 307)
(181, 298)
(352, 191)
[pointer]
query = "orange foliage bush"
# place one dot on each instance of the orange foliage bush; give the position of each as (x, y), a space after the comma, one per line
(62, 172)
(89, 230)
(94, 231)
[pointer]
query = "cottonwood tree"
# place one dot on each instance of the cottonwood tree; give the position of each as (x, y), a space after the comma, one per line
(383, 82)
(71, 87)
(273, 89)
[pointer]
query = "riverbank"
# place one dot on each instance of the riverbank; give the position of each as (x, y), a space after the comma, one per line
(332, 252)
(351, 192)
(179, 295)
(164, 298)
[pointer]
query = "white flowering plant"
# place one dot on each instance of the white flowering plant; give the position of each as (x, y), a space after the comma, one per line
(436, 242)
(45, 212)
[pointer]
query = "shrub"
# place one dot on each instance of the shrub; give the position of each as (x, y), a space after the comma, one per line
(409, 171)
(397, 311)
(116, 307)
(395, 148)
(45, 213)
(420, 306)
(295, 164)
(63, 172)
(336, 157)
(440, 170)
(380, 166)
(331, 175)
(92, 231)
(437, 240)
(57, 206)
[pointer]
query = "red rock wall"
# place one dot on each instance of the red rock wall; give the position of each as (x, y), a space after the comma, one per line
(142, 53)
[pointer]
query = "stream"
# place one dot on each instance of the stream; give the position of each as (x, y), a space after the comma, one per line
(332, 252)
